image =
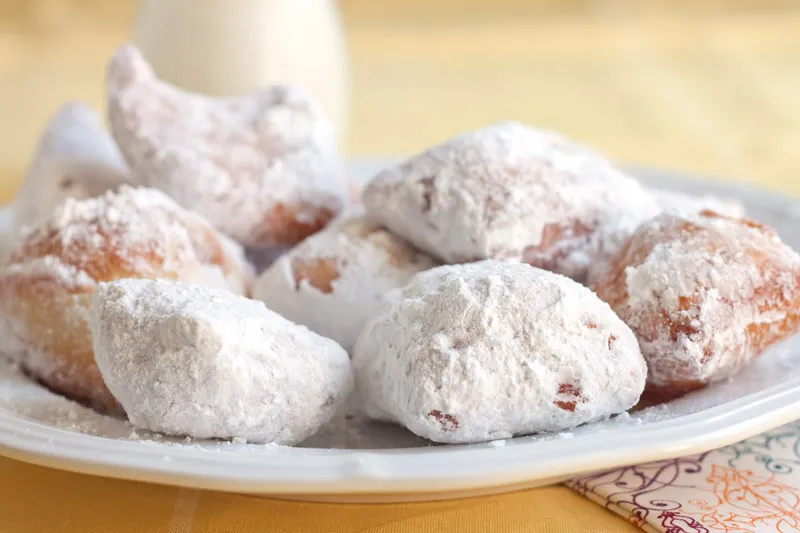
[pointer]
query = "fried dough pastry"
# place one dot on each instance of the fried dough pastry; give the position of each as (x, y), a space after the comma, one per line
(47, 284)
(194, 361)
(75, 158)
(509, 191)
(493, 349)
(262, 168)
(705, 294)
(334, 281)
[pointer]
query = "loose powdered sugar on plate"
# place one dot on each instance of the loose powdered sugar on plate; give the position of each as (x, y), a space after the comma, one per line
(26, 399)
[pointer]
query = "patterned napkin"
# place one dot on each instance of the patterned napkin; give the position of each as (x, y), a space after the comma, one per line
(751, 486)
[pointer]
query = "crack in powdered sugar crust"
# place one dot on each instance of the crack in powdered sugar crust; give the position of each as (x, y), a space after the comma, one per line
(334, 281)
(233, 160)
(508, 191)
(75, 158)
(705, 294)
(494, 349)
(189, 360)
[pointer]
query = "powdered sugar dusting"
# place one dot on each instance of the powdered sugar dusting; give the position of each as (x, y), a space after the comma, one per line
(189, 360)
(509, 191)
(21, 398)
(47, 282)
(262, 168)
(334, 281)
(705, 294)
(50, 266)
(75, 158)
(673, 202)
(147, 233)
(531, 351)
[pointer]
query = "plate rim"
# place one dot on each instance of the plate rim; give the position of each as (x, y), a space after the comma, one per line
(362, 471)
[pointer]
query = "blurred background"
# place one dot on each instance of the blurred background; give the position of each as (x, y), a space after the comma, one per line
(708, 86)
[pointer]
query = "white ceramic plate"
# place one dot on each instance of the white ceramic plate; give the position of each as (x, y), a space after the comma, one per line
(357, 461)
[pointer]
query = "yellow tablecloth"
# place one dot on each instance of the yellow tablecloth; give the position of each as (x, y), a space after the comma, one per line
(43, 500)
(699, 90)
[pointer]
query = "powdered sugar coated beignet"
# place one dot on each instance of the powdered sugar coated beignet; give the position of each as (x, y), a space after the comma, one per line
(704, 294)
(47, 284)
(492, 349)
(334, 281)
(262, 168)
(75, 158)
(676, 203)
(189, 360)
(508, 191)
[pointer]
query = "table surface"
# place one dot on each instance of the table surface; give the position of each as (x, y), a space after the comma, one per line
(703, 90)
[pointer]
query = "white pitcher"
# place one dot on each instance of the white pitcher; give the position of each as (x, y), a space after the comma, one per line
(230, 47)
